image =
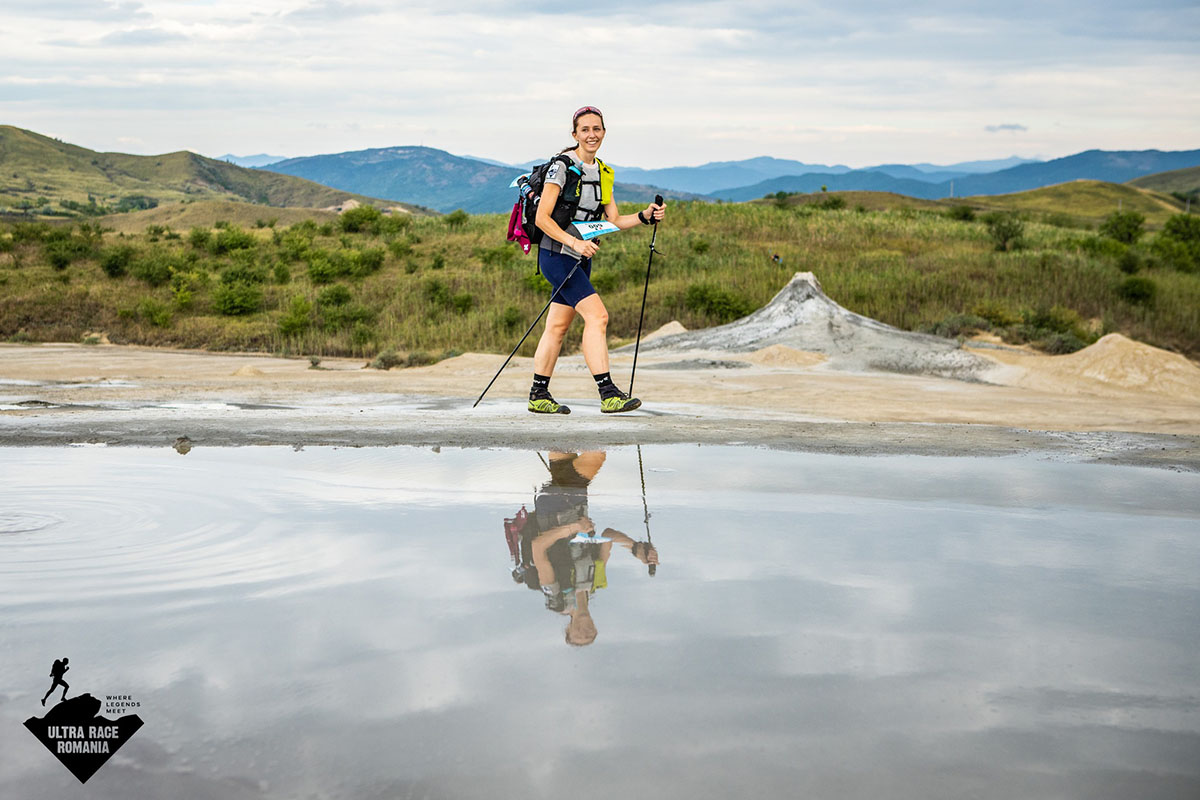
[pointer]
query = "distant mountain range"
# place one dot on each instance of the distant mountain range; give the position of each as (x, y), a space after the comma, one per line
(433, 178)
(1117, 166)
(444, 181)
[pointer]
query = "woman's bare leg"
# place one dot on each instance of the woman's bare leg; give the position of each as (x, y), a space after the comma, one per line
(595, 333)
(558, 319)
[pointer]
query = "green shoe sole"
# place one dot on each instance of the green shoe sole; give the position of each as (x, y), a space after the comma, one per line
(617, 405)
(546, 406)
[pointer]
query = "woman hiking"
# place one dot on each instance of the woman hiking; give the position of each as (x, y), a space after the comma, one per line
(577, 179)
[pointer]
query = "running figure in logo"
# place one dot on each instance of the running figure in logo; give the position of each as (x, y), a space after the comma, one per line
(578, 189)
(57, 671)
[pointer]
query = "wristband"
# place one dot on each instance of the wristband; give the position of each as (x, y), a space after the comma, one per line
(642, 219)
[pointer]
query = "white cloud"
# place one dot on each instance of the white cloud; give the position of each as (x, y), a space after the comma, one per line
(857, 83)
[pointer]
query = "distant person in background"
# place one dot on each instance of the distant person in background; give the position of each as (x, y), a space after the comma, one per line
(777, 259)
(57, 671)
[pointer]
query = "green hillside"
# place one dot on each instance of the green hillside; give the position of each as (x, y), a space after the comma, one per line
(364, 283)
(207, 213)
(43, 176)
(1183, 181)
(1084, 201)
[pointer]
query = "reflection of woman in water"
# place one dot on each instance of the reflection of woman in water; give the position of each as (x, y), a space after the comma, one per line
(569, 572)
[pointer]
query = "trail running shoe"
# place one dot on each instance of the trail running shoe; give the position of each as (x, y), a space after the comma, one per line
(619, 402)
(546, 405)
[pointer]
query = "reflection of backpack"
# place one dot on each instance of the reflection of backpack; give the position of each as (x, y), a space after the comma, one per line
(522, 227)
(512, 533)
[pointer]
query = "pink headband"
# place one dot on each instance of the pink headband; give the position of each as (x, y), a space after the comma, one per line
(587, 110)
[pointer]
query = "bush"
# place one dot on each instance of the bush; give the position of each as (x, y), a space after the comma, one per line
(499, 256)
(699, 246)
(1178, 244)
(1137, 290)
(437, 294)
(715, 302)
(393, 223)
(386, 360)
(297, 318)
(366, 261)
(1129, 262)
(832, 203)
(957, 325)
(362, 218)
(115, 260)
(281, 273)
(154, 312)
(1059, 344)
(335, 318)
(463, 302)
(1101, 246)
(336, 295)
(229, 239)
(154, 268)
(234, 299)
(244, 272)
(399, 248)
(58, 255)
(199, 238)
(961, 213)
(510, 318)
(456, 219)
(1123, 226)
(439, 261)
(1006, 230)
(606, 281)
(996, 313)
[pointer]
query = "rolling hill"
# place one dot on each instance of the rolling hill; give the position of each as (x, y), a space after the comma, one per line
(1185, 181)
(1089, 201)
(33, 167)
(433, 178)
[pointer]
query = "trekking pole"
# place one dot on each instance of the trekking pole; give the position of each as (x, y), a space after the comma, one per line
(578, 261)
(658, 200)
(652, 568)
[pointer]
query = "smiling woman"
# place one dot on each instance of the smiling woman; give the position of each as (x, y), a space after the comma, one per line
(578, 189)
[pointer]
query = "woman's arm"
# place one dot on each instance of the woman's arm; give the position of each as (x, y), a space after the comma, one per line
(550, 228)
(652, 212)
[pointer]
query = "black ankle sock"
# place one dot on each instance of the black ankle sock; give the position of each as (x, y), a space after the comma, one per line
(606, 386)
(540, 387)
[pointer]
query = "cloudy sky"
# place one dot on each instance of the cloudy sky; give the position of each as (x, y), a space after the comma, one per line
(853, 82)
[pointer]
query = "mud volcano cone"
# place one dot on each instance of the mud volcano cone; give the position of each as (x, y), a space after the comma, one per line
(803, 317)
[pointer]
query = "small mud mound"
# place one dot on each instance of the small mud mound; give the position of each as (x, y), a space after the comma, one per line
(1120, 363)
(671, 328)
(802, 317)
(247, 372)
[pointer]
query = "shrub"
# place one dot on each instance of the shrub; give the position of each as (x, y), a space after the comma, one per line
(996, 313)
(335, 318)
(320, 268)
(436, 293)
(456, 219)
(419, 358)
(534, 281)
(699, 246)
(1057, 344)
(391, 224)
(957, 325)
(297, 318)
(243, 272)
(229, 239)
(1006, 230)
(360, 219)
(154, 268)
(325, 229)
(439, 261)
(832, 203)
(1101, 246)
(606, 281)
(234, 299)
(961, 213)
(510, 318)
(282, 273)
(499, 256)
(1129, 262)
(154, 312)
(1056, 319)
(362, 334)
(463, 302)
(115, 260)
(399, 248)
(366, 261)
(1137, 290)
(336, 295)
(199, 238)
(1178, 244)
(713, 301)
(386, 360)
(1123, 226)
(58, 256)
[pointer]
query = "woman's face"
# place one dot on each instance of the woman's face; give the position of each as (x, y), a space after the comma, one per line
(589, 132)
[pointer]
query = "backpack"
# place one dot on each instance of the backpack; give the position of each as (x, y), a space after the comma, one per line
(522, 227)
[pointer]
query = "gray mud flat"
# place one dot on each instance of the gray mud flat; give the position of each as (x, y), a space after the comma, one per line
(388, 420)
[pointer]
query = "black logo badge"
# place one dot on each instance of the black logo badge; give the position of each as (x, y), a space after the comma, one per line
(75, 731)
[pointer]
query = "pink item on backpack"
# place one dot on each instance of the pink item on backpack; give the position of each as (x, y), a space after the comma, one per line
(516, 231)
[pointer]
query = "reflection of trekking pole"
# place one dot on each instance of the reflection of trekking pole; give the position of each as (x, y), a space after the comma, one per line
(658, 200)
(652, 568)
(578, 261)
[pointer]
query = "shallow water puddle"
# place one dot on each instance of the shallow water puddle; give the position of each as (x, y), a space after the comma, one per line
(670, 622)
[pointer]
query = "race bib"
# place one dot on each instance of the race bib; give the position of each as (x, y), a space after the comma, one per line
(590, 230)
